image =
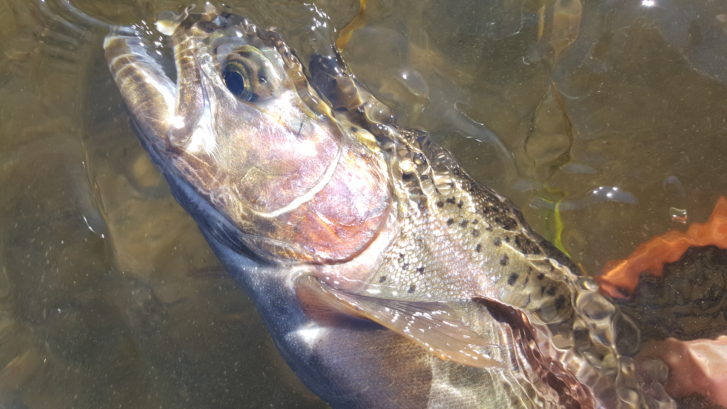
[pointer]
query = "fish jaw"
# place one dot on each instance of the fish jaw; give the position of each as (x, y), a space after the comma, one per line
(241, 125)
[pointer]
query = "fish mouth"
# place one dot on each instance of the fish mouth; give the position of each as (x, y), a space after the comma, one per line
(241, 124)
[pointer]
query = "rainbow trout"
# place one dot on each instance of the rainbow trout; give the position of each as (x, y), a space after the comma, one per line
(387, 276)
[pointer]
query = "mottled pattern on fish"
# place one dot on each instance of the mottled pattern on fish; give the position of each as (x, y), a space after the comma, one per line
(458, 242)
(355, 216)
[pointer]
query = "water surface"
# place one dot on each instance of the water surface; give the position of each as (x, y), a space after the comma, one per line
(613, 112)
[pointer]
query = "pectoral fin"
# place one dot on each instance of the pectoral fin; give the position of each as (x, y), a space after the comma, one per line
(434, 326)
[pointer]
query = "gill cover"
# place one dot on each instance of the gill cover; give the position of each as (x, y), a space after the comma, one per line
(242, 126)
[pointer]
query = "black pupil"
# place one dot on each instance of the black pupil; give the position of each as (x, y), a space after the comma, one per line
(234, 81)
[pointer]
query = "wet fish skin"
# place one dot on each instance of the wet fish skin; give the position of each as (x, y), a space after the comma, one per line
(334, 368)
(474, 308)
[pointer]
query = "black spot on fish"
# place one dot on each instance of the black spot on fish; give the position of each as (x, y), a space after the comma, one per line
(497, 242)
(559, 302)
(420, 270)
(525, 245)
(440, 203)
(540, 276)
(424, 177)
(353, 129)
(476, 232)
(411, 289)
(464, 223)
(512, 279)
(488, 228)
(407, 176)
(382, 279)
(508, 223)
(459, 204)
(551, 290)
(499, 214)
(504, 260)
(475, 221)
(450, 222)
(405, 266)
(450, 200)
(478, 247)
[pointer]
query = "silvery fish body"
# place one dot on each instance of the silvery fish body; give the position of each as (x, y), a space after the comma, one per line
(387, 276)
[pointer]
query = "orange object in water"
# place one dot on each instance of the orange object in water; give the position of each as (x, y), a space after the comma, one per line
(621, 277)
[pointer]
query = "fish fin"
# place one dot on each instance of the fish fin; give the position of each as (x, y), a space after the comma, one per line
(435, 326)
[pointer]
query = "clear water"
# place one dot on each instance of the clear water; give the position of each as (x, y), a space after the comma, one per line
(109, 296)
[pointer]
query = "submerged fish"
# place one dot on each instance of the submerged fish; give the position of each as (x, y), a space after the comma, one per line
(387, 276)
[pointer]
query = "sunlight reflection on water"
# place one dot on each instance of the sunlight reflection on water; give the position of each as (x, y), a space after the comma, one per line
(109, 296)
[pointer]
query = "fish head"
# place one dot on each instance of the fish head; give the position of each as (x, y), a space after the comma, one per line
(242, 126)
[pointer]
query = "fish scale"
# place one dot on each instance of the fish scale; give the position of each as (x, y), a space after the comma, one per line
(477, 226)
(471, 241)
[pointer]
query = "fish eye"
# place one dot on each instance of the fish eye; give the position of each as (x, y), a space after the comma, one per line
(249, 75)
(236, 77)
